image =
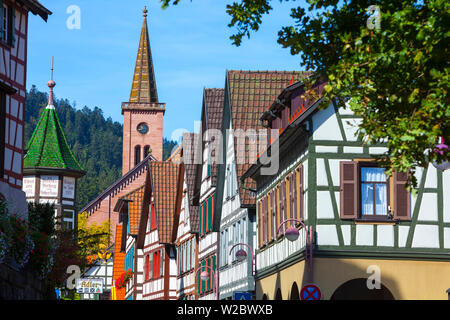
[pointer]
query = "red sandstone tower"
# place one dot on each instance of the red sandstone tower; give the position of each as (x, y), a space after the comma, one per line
(142, 114)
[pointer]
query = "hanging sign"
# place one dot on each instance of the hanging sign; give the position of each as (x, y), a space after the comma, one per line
(310, 292)
(87, 285)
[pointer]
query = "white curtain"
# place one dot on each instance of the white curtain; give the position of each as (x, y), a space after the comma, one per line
(371, 175)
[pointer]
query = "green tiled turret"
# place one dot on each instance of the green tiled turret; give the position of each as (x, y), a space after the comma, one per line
(48, 147)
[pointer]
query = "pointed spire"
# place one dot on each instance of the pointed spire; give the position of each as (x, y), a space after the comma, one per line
(143, 89)
(48, 146)
(51, 84)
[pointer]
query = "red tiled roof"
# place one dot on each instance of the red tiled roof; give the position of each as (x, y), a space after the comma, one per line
(213, 105)
(135, 208)
(164, 178)
(251, 93)
(191, 143)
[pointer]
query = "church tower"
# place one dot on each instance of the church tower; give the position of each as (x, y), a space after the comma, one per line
(142, 114)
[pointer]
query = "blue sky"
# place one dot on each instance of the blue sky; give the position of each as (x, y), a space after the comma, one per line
(190, 47)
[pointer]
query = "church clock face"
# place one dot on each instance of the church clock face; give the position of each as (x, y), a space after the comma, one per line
(142, 128)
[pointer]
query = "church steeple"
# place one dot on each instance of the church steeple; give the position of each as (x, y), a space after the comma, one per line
(143, 89)
(143, 114)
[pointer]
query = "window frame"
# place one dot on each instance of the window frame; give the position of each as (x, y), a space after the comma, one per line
(373, 217)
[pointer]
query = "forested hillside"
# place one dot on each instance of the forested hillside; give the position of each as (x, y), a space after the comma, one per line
(95, 141)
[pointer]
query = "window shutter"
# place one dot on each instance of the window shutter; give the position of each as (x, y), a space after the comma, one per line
(150, 265)
(299, 194)
(282, 201)
(274, 214)
(293, 196)
(266, 219)
(146, 267)
(348, 190)
(258, 227)
(161, 262)
(13, 26)
(2, 19)
(215, 270)
(402, 198)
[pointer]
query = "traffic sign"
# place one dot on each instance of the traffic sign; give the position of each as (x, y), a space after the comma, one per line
(310, 292)
(242, 296)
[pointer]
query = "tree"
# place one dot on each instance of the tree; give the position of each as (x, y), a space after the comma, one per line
(91, 238)
(397, 75)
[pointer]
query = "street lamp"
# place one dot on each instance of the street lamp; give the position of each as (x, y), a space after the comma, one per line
(204, 275)
(292, 235)
(241, 255)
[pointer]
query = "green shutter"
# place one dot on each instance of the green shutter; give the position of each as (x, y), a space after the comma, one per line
(209, 213)
(215, 270)
(208, 283)
(204, 213)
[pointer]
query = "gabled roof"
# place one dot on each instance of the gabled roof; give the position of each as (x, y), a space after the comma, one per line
(48, 147)
(250, 93)
(212, 113)
(192, 164)
(166, 185)
(135, 205)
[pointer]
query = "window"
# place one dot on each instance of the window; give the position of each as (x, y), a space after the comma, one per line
(374, 192)
(228, 180)
(153, 218)
(129, 259)
(365, 193)
(147, 267)
(4, 24)
(146, 151)
(137, 154)
(156, 264)
(68, 220)
(281, 202)
(7, 24)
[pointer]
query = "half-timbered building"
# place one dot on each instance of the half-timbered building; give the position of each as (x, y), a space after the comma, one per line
(362, 235)
(247, 94)
(187, 234)
(13, 75)
(158, 230)
(206, 180)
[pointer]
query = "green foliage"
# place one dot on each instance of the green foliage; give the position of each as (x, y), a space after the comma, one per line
(95, 141)
(397, 76)
(41, 217)
(168, 148)
(91, 238)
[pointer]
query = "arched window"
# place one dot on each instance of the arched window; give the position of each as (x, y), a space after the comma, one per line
(278, 295)
(146, 151)
(137, 154)
(295, 295)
